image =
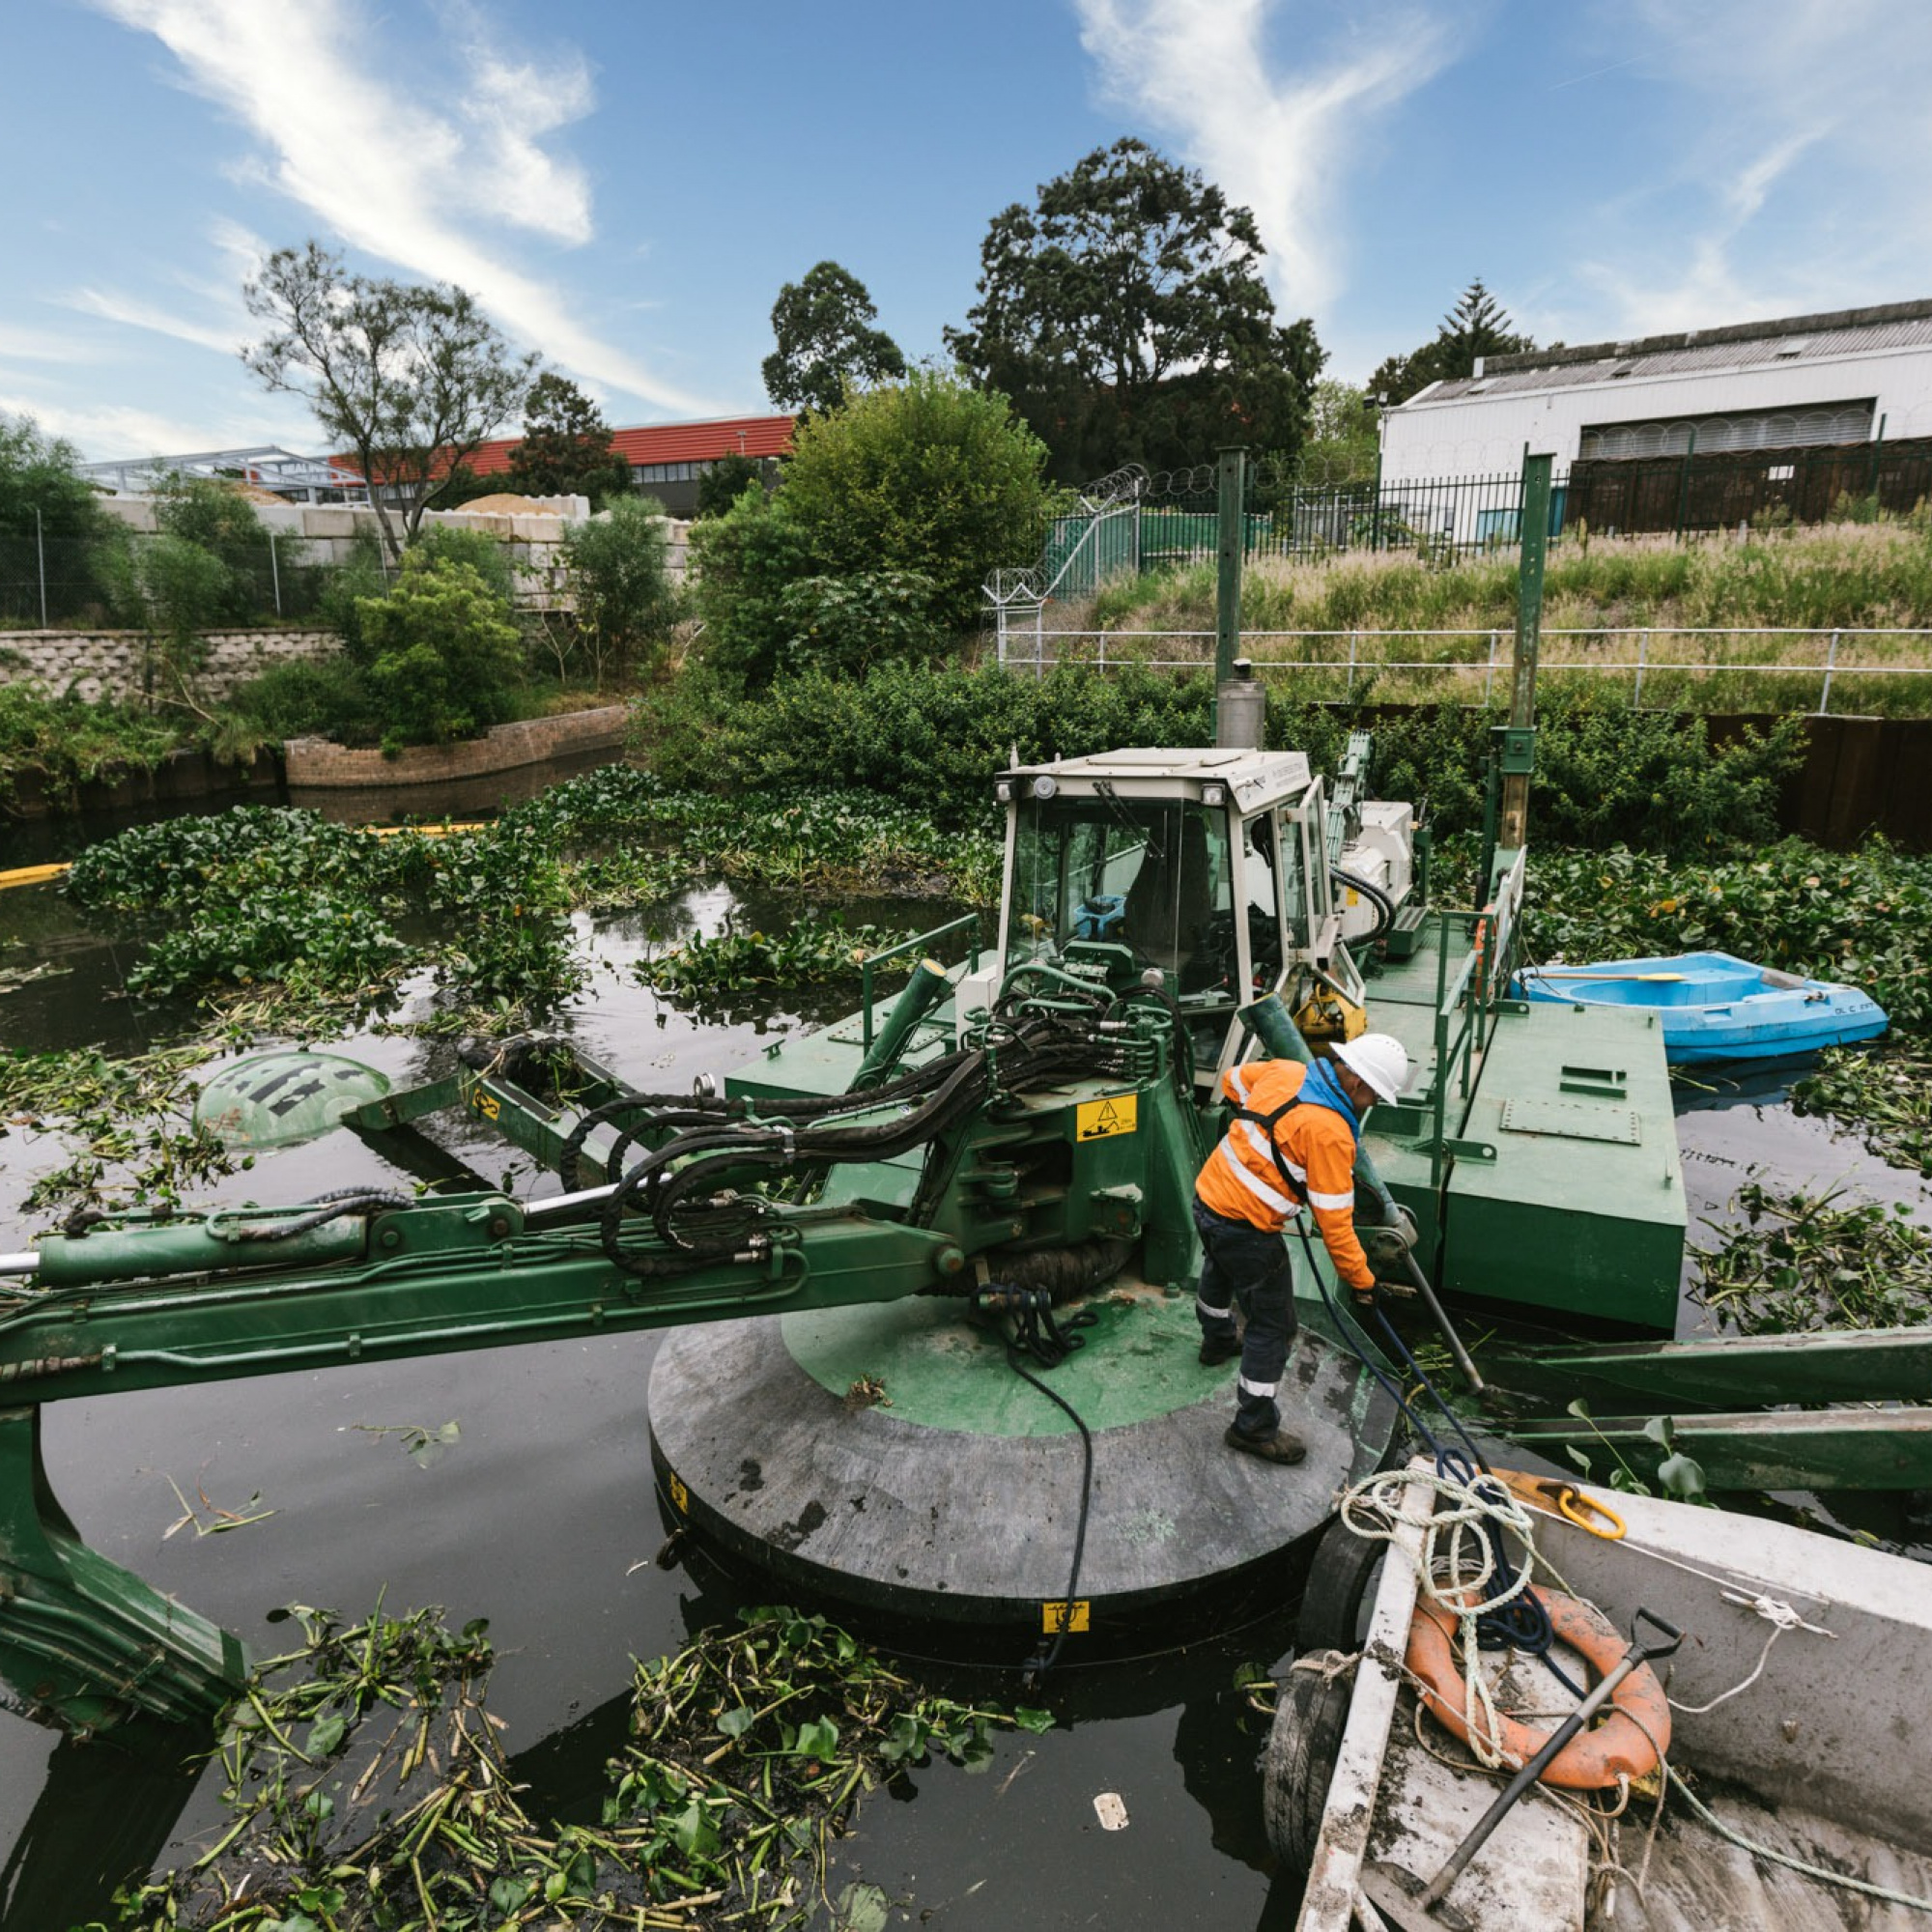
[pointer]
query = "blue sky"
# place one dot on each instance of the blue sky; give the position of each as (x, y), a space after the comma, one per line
(627, 185)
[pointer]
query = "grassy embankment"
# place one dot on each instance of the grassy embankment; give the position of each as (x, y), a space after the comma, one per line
(1600, 598)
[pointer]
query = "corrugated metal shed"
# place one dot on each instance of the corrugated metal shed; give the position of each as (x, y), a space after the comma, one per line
(1792, 342)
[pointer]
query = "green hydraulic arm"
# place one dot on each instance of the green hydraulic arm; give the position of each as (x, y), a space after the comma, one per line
(141, 1301)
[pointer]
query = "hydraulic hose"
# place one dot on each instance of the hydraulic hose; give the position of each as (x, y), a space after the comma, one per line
(1384, 906)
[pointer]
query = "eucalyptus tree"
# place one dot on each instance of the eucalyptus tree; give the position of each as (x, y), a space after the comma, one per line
(409, 377)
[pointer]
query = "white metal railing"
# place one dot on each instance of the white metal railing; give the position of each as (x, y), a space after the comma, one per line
(1103, 650)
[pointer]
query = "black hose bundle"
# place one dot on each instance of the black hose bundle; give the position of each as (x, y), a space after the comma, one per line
(689, 1185)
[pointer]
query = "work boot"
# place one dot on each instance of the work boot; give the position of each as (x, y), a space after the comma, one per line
(1276, 1446)
(1218, 1348)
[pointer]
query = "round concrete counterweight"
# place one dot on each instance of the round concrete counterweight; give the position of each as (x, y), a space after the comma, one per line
(888, 1456)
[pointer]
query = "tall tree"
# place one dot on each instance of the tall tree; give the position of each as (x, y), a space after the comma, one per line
(1477, 325)
(826, 344)
(566, 447)
(1126, 317)
(410, 377)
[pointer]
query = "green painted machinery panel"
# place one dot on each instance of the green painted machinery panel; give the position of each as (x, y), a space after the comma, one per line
(1566, 1193)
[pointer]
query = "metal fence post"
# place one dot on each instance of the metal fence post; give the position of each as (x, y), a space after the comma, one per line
(1642, 652)
(275, 572)
(1103, 650)
(1353, 637)
(1830, 665)
(1040, 640)
(1490, 675)
(41, 552)
(1000, 612)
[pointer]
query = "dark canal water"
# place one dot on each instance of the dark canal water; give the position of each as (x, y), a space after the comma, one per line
(543, 1519)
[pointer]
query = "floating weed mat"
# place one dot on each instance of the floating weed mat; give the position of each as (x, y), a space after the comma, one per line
(809, 952)
(1884, 1095)
(368, 1789)
(274, 918)
(128, 1125)
(1809, 1261)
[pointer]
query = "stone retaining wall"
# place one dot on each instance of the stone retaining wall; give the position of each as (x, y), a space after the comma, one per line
(318, 764)
(128, 664)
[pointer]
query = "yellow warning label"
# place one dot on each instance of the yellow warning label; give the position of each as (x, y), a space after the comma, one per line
(680, 1496)
(1057, 1617)
(1096, 1120)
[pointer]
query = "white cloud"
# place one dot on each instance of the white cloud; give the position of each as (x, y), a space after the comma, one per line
(104, 432)
(1274, 142)
(386, 168)
(134, 313)
(1828, 213)
(32, 345)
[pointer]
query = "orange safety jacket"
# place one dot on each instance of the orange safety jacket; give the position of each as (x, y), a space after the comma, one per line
(1317, 1139)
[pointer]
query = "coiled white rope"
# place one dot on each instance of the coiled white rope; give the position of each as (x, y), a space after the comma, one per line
(1456, 1548)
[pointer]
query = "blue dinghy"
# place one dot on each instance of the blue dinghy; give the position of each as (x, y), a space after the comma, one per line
(1714, 1007)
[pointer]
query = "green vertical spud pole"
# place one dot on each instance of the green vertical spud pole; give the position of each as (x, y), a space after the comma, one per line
(1534, 535)
(1232, 479)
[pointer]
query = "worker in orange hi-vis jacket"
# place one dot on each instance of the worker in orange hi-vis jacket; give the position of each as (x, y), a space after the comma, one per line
(1291, 1145)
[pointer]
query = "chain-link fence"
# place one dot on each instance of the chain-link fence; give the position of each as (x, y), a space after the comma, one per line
(105, 584)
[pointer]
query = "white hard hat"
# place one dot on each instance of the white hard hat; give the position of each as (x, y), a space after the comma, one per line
(1376, 1058)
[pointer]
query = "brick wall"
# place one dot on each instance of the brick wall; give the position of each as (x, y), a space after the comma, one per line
(318, 764)
(119, 664)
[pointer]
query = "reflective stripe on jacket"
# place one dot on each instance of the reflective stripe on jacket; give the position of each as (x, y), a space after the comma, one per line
(1317, 1139)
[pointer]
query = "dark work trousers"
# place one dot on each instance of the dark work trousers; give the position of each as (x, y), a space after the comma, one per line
(1242, 1266)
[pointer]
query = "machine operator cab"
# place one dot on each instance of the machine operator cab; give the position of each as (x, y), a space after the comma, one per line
(1212, 866)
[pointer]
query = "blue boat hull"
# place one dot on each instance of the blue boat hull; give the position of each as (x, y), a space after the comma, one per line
(1715, 1007)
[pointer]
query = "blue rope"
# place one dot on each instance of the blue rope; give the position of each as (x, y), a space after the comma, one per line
(1523, 1623)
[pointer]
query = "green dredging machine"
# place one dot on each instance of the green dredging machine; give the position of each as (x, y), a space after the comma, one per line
(858, 1237)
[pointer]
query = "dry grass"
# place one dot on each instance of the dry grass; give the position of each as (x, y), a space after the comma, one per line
(1606, 604)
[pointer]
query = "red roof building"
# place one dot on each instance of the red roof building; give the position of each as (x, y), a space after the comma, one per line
(666, 459)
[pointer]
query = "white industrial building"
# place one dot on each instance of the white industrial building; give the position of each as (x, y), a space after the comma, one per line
(1700, 429)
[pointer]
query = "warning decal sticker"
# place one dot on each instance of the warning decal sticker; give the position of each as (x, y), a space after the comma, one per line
(1096, 1120)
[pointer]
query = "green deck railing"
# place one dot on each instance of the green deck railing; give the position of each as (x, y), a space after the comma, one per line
(920, 943)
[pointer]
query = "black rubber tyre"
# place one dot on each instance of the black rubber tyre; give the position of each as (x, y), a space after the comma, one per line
(1311, 1714)
(1338, 1586)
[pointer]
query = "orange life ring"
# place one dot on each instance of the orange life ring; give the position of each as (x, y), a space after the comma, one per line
(1626, 1743)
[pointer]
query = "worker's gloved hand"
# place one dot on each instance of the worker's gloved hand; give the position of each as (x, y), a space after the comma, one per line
(1364, 1300)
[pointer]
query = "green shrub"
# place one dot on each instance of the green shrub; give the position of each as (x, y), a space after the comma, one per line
(67, 743)
(742, 563)
(327, 697)
(925, 475)
(936, 736)
(487, 555)
(346, 585)
(444, 659)
(842, 624)
(620, 583)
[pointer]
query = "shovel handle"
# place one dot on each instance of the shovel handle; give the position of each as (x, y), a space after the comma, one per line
(1639, 1653)
(1651, 1652)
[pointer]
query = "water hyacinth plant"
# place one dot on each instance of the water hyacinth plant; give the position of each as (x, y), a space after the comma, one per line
(1806, 1261)
(811, 950)
(366, 1786)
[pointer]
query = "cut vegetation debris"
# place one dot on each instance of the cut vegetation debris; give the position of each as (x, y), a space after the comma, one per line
(1884, 1095)
(367, 1786)
(1808, 1261)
